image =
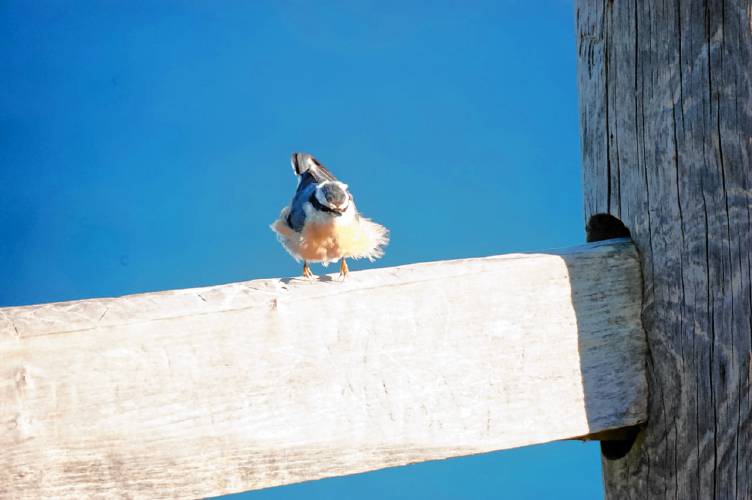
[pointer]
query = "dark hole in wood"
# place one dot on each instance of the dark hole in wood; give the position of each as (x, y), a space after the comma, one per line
(615, 444)
(618, 448)
(604, 227)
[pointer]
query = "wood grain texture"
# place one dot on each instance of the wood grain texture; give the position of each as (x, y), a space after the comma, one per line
(666, 117)
(200, 392)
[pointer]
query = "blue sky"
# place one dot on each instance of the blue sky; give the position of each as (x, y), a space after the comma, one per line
(145, 146)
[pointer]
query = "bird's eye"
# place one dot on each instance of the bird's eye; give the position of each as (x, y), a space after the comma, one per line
(314, 160)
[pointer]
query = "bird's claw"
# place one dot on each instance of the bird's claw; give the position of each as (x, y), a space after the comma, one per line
(343, 270)
(307, 272)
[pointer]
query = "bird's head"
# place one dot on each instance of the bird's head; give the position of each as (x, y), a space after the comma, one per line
(333, 196)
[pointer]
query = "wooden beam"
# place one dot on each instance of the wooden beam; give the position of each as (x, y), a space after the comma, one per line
(200, 392)
(665, 94)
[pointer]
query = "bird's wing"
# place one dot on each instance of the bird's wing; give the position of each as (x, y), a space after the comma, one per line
(296, 217)
(304, 163)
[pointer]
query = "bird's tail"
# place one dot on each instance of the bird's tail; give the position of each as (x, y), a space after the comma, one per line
(304, 162)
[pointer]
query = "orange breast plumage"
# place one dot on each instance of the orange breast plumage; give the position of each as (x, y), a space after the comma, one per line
(329, 240)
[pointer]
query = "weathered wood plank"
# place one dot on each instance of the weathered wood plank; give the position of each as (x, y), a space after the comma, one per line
(666, 114)
(201, 392)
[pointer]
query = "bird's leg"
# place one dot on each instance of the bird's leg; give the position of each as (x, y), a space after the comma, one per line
(343, 270)
(307, 270)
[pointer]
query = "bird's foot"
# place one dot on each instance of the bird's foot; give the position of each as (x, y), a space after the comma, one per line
(307, 271)
(343, 270)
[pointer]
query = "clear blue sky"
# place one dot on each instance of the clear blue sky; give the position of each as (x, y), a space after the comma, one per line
(145, 146)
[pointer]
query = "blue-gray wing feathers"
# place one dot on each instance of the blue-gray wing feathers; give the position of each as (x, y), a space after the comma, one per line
(297, 216)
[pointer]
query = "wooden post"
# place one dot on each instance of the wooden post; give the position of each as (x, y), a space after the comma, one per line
(193, 393)
(666, 118)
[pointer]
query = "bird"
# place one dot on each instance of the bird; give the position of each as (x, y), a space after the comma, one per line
(322, 224)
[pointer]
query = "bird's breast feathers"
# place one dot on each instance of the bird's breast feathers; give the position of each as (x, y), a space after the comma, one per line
(325, 238)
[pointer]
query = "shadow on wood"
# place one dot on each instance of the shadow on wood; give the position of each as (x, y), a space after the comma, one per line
(615, 443)
(605, 384)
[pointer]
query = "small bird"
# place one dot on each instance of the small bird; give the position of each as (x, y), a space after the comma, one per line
(321, 224)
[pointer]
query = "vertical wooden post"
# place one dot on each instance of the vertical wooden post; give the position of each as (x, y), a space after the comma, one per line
(666, 117)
